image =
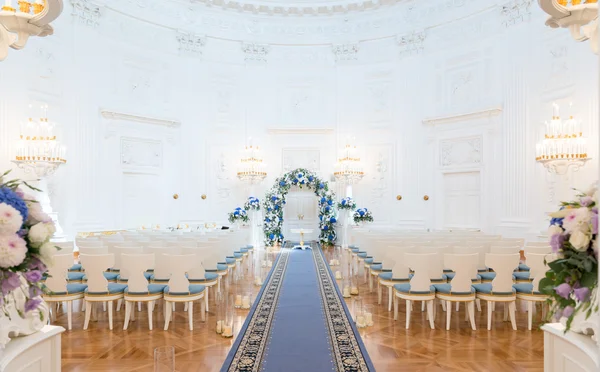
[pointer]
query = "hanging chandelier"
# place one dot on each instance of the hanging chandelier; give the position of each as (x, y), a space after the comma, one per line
(38, 149)
(348, 168)
(563, 145)
(20, 19)
(251, 168)
(580, 17)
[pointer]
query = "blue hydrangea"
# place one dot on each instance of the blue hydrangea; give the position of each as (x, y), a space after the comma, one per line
(321, 217)
(276, 207)
(272, 236)
(332, 220)
(325, 227)
(327, 209)
(267, 219)
(11, 198)
(331, 238)
(361, 212)
(330, 202)
(311, 178)
(274, 198)
(282, 183)
(323, 200)
(299, 174)
(321, 186)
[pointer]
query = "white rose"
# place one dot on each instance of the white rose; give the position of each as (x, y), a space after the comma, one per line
(40, 233)
(554, 229)
(579, 240)
(10, 219)
(47, 252)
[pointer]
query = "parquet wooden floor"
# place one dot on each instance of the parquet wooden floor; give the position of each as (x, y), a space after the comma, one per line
(390, 345)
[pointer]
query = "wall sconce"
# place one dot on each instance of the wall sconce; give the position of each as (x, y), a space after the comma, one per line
(203, 196)
(426, 197)
(398, 197)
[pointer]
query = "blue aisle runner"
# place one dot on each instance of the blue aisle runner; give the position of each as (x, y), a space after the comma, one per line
(299, 322)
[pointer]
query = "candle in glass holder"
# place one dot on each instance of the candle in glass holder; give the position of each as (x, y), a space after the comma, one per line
(258, 281)
(369, 319)
(354, 290)
(238, 301)
(338, 275)
(227, 331)
(346, 292)
(264, 263)
(246, 302)
(219, 326)
(360, 321)
(269, 263)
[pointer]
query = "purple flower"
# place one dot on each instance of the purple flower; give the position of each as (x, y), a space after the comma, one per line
(36, 264)
(10, 282)
(568, 311)
(33, 276)
(32, 304)
(586, 201)
(594, 223)
(557, 314)
(34, 291)
(22, 233)
(582, 294)
(556, 242)
(563, 290)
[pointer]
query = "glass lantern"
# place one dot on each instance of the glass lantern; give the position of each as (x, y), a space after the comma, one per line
(246, 300)
(368, 311)
(228, 323)
(354, 285)
(346, 288)
(357, 307)
(221, 300)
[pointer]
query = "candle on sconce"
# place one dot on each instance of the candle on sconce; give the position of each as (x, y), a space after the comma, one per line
(555, 111)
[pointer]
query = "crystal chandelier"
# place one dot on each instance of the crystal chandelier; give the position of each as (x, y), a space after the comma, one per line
(563, 145)
(251, 168)
(349, 167)
(38, 149)
(20, 19)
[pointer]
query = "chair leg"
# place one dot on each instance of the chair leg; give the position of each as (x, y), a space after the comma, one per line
(52, 313)
(219, 284)
(478, 303)
(94, 307)
(408, 311)
(150, 308)
(448, 314)
(395, 308)
(190, 309)
(430, 313)
(132, 311)
(185, 306)
(139, 307)
(390, 296)
(69, 314)
(466, 313)
(104, 306)
(529, 314)
(490, 308)
(202, 312)
(505, 311)
(422, 306)
(379, 293)
(471, 310)
(119, 303)
(370, 281)
(82, 309)
(127, 315)
(88, 313)
(512, 309)
(457, 306)
(206, 299)
(110, 315)
(168, 312)
(443, 305)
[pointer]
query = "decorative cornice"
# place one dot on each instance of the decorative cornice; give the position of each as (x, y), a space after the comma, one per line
(412, 43)
(254, 52)
(87, 11)
(345, 52)
(190, 43)
(300, 130)
(115, 115)
(516, 11)
(464, 117)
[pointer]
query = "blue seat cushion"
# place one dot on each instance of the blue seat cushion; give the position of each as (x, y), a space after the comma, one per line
(220, 267)
(250, 246)
(451, 276)
(521, 276)
(147, 275)
(229, 260)
(75, 276)
(107, 275)
(523, 267)
(486, 288)
(405, 288)
(238, 254)
(353, 246)
(113, 288)
(525, 288)
(76, 267)
(369, 260)
(208, 277)
(244, 250)
(443, 279)
(389, 276)
(488, 276)
(377, 267)
(152, 289)
(193, 289)
(362, 254)
(447, 289)
(72, 288)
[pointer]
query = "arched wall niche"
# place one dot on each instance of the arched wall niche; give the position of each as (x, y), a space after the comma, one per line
(464, 102)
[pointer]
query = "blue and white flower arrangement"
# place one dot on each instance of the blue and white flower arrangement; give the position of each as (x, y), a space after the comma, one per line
(252, 204)
(362, 215)
(275, 200)
(347, 204)
(238, 215)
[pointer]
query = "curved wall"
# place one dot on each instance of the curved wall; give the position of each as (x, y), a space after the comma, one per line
(445, 100)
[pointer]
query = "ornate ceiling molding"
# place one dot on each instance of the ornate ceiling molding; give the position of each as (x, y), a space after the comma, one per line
(116, 115)
(345, 52)
(412, 43)
(516, 11)
(190, 43)
(87, 11)
(487, 113)
(254, 52)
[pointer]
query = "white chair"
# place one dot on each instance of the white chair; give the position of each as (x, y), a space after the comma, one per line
(138, 289)
(538, 244)
(180, 289)
(530, 291)
(501, 288)
(58, 290)
(99, 289)
(198, 275)
(120, 250)
(88, 243)
(399, 274)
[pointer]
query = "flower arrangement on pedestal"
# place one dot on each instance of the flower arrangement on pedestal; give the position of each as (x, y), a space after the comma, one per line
(238, 215)
(572, 280)
(25, 254)
(252, 204)
(362, 215)
(275, 200)
(347, 204)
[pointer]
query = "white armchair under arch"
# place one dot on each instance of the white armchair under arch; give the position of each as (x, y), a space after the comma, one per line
(179, 288)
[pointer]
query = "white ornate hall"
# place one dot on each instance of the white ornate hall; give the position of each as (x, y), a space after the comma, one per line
(318, 185)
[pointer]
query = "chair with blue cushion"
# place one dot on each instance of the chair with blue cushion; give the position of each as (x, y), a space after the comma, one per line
(198, 275)
(138, 290)
(460, 289)
(398, 275)
(501, 288)
(58, 289)
(120, 249)
(539, 248)
(530, 292)
(419, 288)
(99, 290)
(179, 289)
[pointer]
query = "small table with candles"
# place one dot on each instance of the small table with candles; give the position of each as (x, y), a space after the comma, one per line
(301, 232)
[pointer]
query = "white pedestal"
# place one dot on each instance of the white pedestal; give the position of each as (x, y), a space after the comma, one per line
(39, 352)
(569, 352)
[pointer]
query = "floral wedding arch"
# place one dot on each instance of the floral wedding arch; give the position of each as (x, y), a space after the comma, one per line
(275, 201)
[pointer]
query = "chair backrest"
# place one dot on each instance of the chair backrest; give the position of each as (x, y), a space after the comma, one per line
(399, 268)
(538, 244)
(537, 267)
(94, 266)
(178, 266)
(118, 251)
(465, 269)
(162, 250)
(65, 247)
(420, 264)
(134, 266)
(504, 265)
(537, 250)
(93, 250)
(197, 271)
(512, 241)
(89, 243)
(57, 273)
(505, 249)
(470, 249)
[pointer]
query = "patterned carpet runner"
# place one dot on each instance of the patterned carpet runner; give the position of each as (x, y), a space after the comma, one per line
(299, 322)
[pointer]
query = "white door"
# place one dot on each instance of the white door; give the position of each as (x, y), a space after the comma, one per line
(301, 212)
(462, 200)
